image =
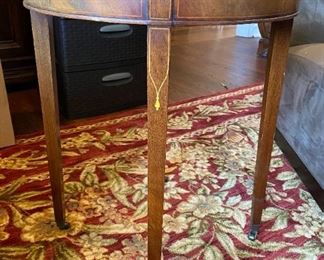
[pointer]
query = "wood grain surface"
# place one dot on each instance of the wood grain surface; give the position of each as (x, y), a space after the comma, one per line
(278, 53)
(160, 9)
(168, 12)
(159, 47)
(46, 71)
(133, 9)
(232, 9)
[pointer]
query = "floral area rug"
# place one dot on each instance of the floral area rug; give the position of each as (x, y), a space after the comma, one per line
(210, 165)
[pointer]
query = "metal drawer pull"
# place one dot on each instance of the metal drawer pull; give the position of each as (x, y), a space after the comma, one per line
(115, 30)
(117, 79)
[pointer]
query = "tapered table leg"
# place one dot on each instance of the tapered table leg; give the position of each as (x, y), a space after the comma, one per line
(45, 61)
(158, 81)
(278, 52)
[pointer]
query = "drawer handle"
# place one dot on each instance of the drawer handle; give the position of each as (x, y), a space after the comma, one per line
(115, 31)
(117, 79)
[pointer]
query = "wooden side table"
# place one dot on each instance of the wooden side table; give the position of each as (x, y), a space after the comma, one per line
(160, 16)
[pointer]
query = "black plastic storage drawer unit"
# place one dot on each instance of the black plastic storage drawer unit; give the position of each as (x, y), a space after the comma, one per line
(102, 90)
(101, 67)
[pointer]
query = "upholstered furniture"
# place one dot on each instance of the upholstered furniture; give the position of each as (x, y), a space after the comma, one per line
(301, 119)
(160, 16)
(6, 131)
